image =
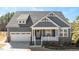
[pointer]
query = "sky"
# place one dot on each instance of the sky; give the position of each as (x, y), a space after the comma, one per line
(69, 12)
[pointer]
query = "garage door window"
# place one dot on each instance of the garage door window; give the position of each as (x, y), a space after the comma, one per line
(19, 33)
(12, 33)
(24, 33)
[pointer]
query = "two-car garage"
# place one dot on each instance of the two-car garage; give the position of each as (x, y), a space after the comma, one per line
(20, 36)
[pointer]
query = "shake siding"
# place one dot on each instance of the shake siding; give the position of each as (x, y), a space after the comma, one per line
(45, 24)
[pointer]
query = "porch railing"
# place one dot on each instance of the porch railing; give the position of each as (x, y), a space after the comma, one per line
(49, 38)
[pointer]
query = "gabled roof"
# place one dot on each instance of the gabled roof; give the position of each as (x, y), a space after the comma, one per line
(13, 21)
(60, 14)
(58, 21)
(34, 16)
(23, 17)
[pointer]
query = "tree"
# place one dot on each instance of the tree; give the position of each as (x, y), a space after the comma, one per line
(77, 43)
(75, 30)
(77, 18)
(4, 20)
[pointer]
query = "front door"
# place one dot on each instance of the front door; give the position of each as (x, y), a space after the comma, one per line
(38, 37)
(53, 33)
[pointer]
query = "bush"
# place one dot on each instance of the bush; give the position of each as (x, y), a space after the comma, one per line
(50, 44)
(77, 43)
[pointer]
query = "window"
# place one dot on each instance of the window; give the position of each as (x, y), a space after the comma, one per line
(17, 33)
(23, 21)
(19, 21)
(63, 32)
(23, 33)
(12, 33)
(48, 33)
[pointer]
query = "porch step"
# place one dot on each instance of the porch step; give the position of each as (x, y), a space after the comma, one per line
(38, 42)
(35, 46)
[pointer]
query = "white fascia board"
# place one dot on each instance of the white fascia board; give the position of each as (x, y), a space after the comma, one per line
(45, 28)
(38, 21)
(20, 32)
(65, 27)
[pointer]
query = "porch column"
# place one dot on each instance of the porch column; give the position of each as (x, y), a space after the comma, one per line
(58, 32)
(34, 37)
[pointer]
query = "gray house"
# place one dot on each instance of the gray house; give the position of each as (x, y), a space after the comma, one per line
(37, 27)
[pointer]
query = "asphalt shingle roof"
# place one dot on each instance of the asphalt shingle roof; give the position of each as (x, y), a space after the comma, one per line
(35, 16)
(23, 17)
(58, 21)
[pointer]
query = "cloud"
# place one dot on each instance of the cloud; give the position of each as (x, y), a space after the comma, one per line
(37, 9)
(0, 15)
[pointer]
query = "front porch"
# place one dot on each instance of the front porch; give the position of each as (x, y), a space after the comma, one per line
(47, 34)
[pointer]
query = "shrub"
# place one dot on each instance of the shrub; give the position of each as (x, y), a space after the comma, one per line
(77, 43)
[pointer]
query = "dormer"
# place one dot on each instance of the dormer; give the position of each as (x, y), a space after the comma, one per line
(22, 18)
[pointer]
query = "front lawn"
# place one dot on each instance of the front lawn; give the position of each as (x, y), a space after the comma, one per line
(3, 36)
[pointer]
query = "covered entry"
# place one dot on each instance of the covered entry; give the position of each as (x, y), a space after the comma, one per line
(40, 35)
(45, 30)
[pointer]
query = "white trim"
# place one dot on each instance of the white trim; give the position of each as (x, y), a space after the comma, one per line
(49, 38)
(38, 21)
(67, 33)
(20, 32)
(64, 32)
(49, 20)
(46, 18)
(61, 19)
(52, 21)
(45, 28)
(65, 28)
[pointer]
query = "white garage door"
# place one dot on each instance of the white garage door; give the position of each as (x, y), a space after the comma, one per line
(20, 36)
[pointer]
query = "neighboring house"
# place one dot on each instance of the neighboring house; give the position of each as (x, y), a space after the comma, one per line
(38, 27)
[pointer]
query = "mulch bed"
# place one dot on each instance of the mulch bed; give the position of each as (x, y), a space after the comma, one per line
(61, 47)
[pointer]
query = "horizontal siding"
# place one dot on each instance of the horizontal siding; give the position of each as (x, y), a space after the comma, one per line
(22, 29)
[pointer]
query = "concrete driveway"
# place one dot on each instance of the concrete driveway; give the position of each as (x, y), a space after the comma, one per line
(19, 45)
